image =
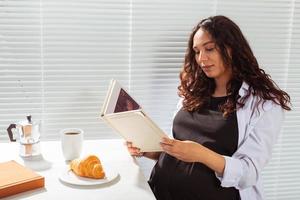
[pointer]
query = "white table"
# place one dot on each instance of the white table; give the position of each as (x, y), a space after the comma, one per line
(131, 183)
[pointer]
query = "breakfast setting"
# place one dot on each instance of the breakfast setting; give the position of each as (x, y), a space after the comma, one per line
(36, 169)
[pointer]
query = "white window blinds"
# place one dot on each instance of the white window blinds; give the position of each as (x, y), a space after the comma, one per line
(85, 44)
(159, 38)
(57, 58)
(20, 61)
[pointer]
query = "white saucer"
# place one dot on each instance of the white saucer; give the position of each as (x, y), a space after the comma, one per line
(68, 176)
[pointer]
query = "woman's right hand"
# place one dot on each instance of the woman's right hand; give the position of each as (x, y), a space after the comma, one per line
(134, 151)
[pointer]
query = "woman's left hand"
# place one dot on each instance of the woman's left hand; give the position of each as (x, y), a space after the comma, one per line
(187, 151)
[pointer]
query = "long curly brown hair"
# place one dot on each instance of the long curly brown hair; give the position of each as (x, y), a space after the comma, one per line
(196, 88)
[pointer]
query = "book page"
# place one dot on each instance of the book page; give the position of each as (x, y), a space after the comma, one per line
(125, 102)
(118, 100)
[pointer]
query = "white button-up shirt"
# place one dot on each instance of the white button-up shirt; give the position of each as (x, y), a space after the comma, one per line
(258, 131)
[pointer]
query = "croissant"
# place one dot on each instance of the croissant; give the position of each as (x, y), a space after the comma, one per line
(89, 166)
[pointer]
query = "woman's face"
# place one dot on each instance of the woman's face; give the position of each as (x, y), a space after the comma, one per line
(208, 56)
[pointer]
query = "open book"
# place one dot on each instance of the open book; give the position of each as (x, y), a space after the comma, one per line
(122, 113)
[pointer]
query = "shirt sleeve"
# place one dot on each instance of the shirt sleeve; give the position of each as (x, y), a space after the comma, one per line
(244, 167)
(178, 107)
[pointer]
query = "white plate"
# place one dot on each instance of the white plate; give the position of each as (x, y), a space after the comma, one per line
(68, 176)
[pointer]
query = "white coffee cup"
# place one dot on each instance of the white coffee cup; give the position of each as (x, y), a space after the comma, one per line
(71, 142)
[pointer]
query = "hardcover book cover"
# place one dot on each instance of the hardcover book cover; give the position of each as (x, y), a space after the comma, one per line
(15, 178)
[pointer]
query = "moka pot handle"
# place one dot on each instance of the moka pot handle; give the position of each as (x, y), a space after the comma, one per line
(10, 133)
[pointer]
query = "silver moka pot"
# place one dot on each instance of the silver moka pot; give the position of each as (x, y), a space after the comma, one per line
(27, 133)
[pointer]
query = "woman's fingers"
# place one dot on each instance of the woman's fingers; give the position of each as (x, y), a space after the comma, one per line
(134, 151)
(128, 144)
(167, 141)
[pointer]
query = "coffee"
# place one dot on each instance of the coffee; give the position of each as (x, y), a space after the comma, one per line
(71, 133)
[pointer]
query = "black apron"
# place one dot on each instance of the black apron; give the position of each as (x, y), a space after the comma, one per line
(172, 179)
